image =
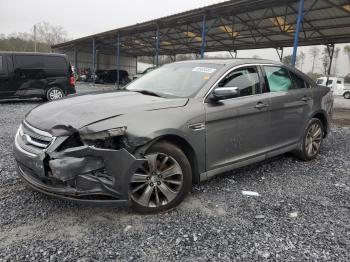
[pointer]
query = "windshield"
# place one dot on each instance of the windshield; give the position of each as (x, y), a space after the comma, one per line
(175, 80)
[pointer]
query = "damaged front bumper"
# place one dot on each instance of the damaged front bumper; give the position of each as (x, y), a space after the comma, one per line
(83, 173)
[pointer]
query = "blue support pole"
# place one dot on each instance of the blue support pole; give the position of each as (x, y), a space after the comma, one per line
(204, 32)
(75, 61)
(93, 59)
(157, 47)
(118, 58)
(297, 31)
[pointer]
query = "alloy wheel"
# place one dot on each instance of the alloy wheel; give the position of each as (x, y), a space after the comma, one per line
(157, 182)
(55, 94)
(313, 139)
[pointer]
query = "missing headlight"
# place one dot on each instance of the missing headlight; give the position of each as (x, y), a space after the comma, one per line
(115, 143)
(113, 132)
(114, 138)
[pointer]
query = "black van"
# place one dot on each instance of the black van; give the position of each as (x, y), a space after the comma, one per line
(43, 75)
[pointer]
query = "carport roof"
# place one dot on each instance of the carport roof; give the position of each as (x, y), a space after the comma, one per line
(230, 25)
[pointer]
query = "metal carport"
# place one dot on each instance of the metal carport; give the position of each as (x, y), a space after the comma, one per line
(227, 26)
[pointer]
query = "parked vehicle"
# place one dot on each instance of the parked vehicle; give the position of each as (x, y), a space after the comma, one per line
(337, 85)
(178, 125)
(111, 77)
(150, 69)
(43, 75)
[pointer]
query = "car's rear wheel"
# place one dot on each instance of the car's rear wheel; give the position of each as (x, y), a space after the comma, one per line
(312, 140)
(163, 181)
(54, 93)
(347, 95)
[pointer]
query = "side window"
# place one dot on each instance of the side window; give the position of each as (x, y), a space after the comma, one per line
(338, 81)
(298, 82)
(1, 66)
(278, 78)
(55, 62)
(246, 79)
(329, 82)
(29, 61)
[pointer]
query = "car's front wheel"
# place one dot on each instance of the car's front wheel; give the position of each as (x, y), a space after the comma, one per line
(54, 93)
(312, 140)
(347, 95)
(163, 181)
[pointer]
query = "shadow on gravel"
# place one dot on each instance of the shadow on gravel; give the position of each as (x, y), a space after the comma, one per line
(21, 101)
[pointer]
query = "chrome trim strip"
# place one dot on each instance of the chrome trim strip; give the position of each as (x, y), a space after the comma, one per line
(38, 131)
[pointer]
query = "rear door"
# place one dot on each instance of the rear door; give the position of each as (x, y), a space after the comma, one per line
(236, 128)
(291, 104)
(30, 74)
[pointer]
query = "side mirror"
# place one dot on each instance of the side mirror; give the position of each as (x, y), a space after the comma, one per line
(222, 93)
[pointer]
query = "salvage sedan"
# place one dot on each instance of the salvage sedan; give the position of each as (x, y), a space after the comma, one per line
(180, 124)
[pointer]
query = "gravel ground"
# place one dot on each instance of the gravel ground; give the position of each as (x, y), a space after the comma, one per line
(302, 213)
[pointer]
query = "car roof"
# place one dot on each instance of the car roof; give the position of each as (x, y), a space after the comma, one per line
(31, 53)
(233, 61)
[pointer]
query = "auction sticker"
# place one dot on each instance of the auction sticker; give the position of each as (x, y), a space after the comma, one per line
(206, 70)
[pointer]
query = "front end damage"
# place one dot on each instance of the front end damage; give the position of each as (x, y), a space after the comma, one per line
(97, 169)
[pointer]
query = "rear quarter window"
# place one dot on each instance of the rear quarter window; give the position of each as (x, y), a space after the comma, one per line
(297, 80)
(54, 62)
(29, 61)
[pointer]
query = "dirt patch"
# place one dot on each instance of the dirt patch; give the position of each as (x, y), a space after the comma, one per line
(341, 117)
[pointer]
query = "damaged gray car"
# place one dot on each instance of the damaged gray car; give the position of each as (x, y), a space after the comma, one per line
(178, 125)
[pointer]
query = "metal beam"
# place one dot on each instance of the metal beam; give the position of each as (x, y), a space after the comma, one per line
(157, 46)
(279, 51)
(76, 60)
(204, 32)
(118, 59)
(93, 60)
(297, 31)
(330, 49)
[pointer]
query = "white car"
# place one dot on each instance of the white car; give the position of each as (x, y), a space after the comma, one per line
(337, 85)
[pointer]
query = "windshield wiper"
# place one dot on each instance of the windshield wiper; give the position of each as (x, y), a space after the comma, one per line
(146, 92)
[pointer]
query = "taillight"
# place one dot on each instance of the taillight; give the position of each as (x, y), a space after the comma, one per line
(72, 81)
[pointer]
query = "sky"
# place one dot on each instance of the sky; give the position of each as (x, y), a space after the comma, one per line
(82, 17)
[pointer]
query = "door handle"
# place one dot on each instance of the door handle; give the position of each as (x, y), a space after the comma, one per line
(261, 105)
(305, 98)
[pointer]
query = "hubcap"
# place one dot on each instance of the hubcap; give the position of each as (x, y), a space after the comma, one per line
(157, 182)
(55, 94)
(313, 139)
(347, 95)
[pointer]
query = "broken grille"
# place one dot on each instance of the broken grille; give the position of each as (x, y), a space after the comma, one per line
(33, 139)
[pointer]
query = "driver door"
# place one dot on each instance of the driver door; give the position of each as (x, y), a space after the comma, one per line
(236, 128)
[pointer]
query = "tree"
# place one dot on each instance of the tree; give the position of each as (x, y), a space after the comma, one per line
(287, 60)
(325, 61)
(314, 54)
(301, 59)
(47, 35)
(347, 51)
(335, 61)
(314, 76)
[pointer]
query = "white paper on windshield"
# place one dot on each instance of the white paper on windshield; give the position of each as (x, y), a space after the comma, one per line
(206, 70)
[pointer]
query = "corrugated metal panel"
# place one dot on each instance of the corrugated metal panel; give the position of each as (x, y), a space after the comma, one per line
(252, 24)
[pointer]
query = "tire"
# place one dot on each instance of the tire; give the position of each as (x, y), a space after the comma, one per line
(313, 133)
(164, 175)
(54, 93)
(346, 95)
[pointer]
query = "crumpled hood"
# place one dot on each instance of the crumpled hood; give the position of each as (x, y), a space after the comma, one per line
(77, 112)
